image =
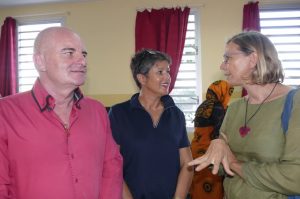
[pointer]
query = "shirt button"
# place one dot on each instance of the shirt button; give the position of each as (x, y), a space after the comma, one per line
(72, 156)
(76, 180)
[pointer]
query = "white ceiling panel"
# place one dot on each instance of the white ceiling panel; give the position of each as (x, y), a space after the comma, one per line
(9, 3)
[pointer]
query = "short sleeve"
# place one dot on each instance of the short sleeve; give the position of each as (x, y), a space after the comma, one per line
(184, 141)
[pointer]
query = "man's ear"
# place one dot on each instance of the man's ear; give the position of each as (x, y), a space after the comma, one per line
(253, 59)
(38, 60)
(141, 78)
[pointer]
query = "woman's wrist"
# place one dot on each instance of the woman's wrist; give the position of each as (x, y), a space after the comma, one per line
(236, 167)
(223, 137)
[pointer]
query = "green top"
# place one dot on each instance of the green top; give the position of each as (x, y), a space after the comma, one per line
(271, 159)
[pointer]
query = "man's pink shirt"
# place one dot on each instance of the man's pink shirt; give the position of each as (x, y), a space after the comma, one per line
(41, 158)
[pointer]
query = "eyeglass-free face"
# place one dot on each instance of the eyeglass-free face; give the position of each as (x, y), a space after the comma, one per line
(157, 81)
(64, 65)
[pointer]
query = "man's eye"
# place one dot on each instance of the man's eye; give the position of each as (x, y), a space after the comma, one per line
(70, 53)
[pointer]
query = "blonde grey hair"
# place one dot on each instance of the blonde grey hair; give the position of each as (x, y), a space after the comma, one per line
(268, 67)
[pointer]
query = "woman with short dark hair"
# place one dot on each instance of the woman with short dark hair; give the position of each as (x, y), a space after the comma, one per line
(151, 132)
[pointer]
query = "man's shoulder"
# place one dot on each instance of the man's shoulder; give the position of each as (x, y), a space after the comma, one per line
(19, 97)
(92, 102)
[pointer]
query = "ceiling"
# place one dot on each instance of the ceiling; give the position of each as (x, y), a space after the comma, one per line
(9, 3)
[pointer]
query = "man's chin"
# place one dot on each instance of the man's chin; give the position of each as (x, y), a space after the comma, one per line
(79, 83)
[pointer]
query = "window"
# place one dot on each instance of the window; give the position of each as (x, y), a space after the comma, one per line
(186, 88)
(282, 27)
(27, 33)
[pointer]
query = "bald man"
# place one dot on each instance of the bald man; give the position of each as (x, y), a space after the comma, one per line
(54, 142)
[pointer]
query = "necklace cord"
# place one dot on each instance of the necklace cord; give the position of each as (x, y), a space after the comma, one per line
(247, 121)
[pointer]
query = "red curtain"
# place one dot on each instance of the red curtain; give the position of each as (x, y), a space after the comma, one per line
(163, 30)
(251, 17)
(8, 65)
(250, 21)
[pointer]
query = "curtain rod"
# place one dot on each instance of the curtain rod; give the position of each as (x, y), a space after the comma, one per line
(170, 6)
(64, 13)
(266, 2)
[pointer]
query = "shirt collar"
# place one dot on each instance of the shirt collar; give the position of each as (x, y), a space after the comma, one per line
(46, 102)
(166, 100)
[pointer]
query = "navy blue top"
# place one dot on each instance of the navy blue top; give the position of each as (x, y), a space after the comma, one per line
(150, 153)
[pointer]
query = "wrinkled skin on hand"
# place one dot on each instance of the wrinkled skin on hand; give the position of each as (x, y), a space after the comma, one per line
(217, 153)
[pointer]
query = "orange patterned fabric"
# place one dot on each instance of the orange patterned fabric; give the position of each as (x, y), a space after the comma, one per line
(207, 122)
(222, 90)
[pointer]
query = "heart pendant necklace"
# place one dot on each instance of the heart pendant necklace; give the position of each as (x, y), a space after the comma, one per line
(245, 130)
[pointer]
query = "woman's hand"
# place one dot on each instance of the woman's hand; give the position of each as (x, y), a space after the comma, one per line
(218, 152)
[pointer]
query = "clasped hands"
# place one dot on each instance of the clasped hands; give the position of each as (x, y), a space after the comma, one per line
(217, 153)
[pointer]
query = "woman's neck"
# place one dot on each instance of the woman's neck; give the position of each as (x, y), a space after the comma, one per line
(150, 102)
(258, 93)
